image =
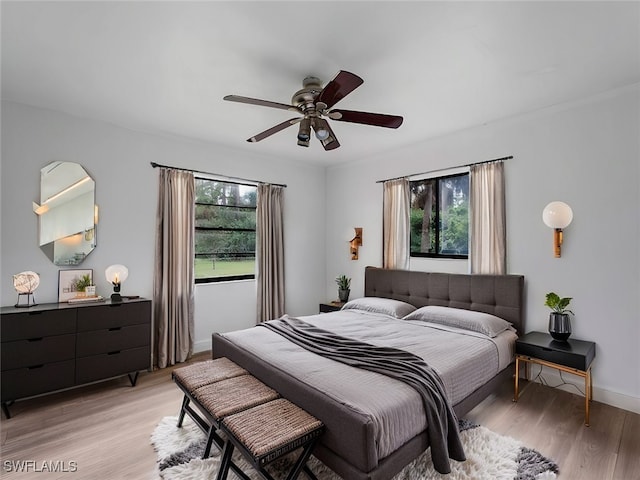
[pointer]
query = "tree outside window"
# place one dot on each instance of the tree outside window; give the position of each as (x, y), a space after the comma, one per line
(440, 217)
(225, 231)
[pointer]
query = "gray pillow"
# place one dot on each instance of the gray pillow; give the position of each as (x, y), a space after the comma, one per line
(385, 306)
(480, 322)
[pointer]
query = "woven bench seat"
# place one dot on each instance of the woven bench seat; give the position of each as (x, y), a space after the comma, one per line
(217, 388)
(233, 395)
(204, 373)
(268, 431)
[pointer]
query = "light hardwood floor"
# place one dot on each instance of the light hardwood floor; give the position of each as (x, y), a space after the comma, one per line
(105, 429)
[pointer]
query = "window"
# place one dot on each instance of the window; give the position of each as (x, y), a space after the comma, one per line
(225, 231)
(440, 217)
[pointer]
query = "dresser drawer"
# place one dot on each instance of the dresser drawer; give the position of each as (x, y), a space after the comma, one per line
(22, 326)
(98, 367)
(113, 339)
(25, 382)
(113, 315)
(29, 353)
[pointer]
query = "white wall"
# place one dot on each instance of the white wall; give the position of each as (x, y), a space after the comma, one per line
(118, 159)
(586, 154)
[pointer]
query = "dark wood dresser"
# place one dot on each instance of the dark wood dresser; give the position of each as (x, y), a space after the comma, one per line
(54, 346)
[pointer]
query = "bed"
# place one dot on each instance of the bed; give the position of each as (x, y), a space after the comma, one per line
(375, 425)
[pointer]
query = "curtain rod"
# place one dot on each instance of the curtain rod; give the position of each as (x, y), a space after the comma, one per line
(447, 168)
(154, 165)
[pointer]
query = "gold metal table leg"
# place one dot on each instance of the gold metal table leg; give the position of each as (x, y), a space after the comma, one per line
(587, 395)
(515, 392)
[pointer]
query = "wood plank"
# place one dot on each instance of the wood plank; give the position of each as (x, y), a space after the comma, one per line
(628, 463)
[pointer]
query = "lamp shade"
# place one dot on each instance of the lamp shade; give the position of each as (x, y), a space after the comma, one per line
(116, 274)
(26, 282)
(557, 215)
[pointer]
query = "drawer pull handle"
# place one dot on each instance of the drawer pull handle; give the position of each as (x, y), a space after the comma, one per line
(37, 339)
(115, 329)
(115, 305)
(114, 353)
(35, 366)
(546, 349)
(35, 313)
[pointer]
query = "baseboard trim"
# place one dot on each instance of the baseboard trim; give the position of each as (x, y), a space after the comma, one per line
(202, 346)
(573, 384)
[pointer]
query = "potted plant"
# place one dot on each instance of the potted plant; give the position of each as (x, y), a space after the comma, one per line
(82, 283)
(559, 321)
(344, 285)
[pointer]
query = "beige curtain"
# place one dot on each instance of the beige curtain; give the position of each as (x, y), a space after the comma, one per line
(488, 229)
(173, 284)
(270, 252)
(395, 224)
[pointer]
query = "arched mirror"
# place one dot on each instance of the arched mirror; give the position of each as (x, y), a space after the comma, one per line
(67, 213)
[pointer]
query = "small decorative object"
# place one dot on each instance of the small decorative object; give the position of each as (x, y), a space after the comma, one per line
(25, 284)
(559, 321)
(90, 290)
(116, 274)
(344, 285)
(71, 283)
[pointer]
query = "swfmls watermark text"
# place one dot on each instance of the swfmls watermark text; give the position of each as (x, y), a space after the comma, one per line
(40, 466)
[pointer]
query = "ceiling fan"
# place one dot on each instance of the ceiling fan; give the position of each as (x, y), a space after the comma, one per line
(314, 103)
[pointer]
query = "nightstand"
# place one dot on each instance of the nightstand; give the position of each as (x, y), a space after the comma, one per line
(330, 307)
(572, 356)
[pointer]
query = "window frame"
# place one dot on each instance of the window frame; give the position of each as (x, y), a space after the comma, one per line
(437, 181)
(227, 278)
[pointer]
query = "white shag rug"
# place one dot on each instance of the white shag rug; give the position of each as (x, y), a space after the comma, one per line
(490, 456)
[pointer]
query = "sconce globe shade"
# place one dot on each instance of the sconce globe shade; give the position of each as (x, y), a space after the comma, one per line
(557, 215)
(116, 273)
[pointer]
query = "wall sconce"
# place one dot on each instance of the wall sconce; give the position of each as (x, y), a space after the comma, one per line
(557, 215)
(116, 274)
(355, 243)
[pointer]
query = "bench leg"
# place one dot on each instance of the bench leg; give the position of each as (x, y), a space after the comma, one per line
(225, 462)
(185, 402)
(309, 473)
(301, 463)
(210, 437)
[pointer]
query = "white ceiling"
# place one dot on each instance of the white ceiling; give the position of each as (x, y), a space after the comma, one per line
(163, 67)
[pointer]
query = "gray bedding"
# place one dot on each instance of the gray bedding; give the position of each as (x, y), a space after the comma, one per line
(442, 423)
(394, 410)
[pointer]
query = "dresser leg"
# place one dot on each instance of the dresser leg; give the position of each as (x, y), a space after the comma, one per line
(5, 409)
(133, 379)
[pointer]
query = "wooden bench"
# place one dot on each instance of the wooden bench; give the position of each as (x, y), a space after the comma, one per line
(256, 421)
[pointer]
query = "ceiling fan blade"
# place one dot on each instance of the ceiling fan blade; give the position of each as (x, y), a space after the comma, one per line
(331, 141)
(342, 85)
(263, 103)
(275, 129)
(366, 118)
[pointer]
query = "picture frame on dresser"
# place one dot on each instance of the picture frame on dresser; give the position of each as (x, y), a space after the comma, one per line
(67, 280)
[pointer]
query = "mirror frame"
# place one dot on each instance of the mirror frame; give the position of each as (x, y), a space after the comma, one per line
(67, 213)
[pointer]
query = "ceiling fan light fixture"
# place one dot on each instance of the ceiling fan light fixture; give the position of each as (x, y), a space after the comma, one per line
(321, 128)
(304, 132)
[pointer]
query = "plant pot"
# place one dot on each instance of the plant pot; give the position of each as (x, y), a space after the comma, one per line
(559, 326)
(343, 295)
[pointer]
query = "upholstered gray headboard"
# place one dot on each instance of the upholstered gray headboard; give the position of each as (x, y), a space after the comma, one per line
(500, 295)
